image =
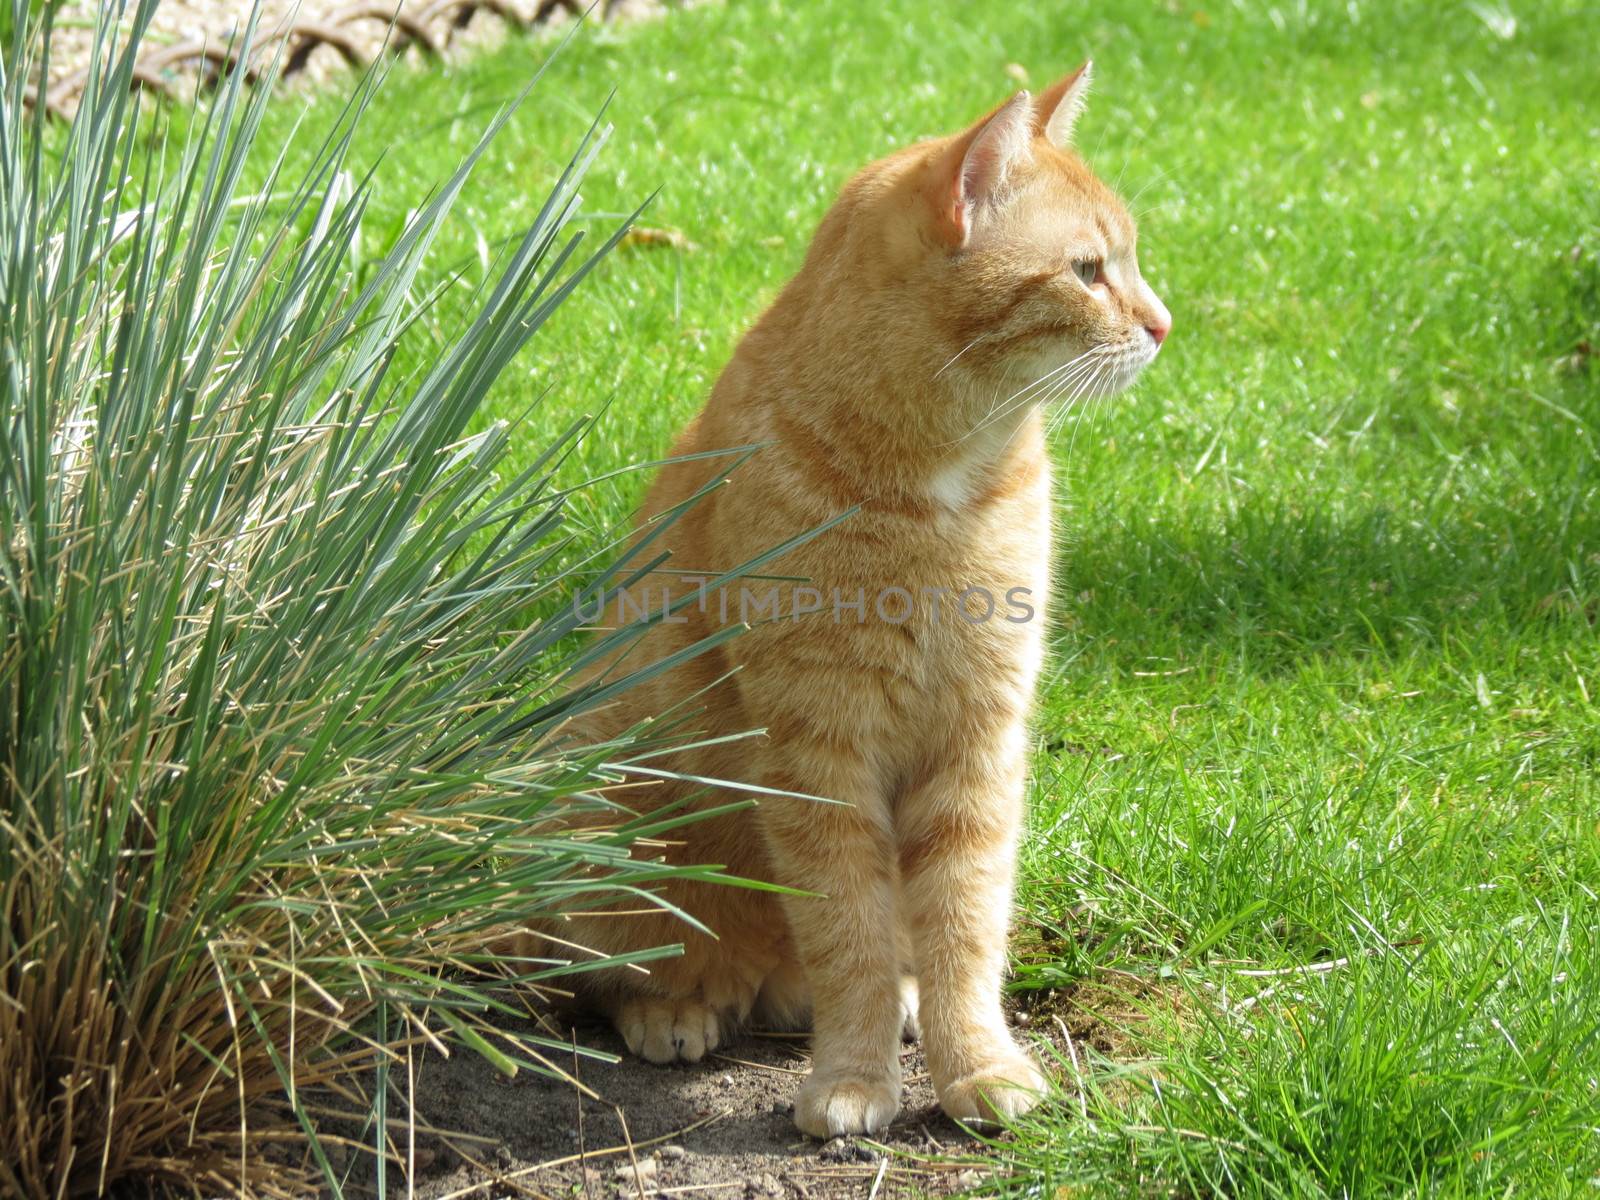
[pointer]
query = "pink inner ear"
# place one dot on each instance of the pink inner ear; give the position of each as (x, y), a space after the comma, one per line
(1000, 144)
(973, 167)
(979, 170)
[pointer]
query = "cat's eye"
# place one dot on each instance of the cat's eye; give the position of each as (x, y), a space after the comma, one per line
(1087, 270)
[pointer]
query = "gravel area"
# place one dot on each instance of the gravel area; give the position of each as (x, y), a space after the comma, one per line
(324, 36)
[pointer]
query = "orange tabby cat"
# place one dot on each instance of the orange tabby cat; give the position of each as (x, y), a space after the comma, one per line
(953, 289)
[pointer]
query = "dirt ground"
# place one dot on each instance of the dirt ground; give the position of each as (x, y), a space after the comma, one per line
(720, 1128)
(723, 1127)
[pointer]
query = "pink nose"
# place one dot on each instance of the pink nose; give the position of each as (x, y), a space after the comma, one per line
(1159, 332)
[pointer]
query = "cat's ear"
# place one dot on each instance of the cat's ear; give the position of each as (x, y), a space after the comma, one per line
(983, 157)
(1060, 104)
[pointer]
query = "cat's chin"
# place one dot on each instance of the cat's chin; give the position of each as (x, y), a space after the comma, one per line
(1122, 367)
(1127, 371)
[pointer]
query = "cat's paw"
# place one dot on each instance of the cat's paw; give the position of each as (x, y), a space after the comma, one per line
(665, 1031)
(1006, 1087)
(833, 1105)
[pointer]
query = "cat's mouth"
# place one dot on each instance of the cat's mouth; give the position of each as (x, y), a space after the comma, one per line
(1102, 370)
(1132, 358)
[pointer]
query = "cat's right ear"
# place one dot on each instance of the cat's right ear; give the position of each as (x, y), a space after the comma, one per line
(980, 161)
(1061, 103)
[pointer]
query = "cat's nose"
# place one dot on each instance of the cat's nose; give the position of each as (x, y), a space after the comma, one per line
(1157, 320)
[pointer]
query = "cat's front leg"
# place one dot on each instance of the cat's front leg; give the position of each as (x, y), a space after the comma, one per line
(958, 833)
(845, 935)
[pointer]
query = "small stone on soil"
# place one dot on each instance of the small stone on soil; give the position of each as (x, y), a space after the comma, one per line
(671, 1153)
(843, 1150)
(423, 1159)
(647, 1170)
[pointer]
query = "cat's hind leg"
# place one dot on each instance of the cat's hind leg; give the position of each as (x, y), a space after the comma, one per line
(910, 993)
(664, 1030)
(785, 1002)
(910, 1002)
(699, 1011)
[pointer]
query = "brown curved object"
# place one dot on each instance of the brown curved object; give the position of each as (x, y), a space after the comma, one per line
(461, 12)
(151, 80)
(222, 59)
(412, 29)
(57, 99)
(303, 38)
(306, 36)
(185, 51)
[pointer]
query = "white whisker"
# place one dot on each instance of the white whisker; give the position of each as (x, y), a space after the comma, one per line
(1104, 385)
(1160, 175)
(1022, 397)
(1070, 380)
(1084, 393)
(1072, 443)
(959, 353)
(1048, 393)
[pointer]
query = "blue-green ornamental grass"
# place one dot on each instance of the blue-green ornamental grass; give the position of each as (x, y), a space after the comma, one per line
(1315, 837)
(280, 718)
(1314, 848)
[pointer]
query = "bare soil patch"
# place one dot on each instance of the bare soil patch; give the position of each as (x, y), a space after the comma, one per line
(722, 1127)
(719, 1128)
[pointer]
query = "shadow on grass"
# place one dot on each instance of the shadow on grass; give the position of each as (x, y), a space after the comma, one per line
(1274, 581)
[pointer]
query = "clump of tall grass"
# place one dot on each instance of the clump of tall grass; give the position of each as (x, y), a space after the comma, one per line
(279, 741)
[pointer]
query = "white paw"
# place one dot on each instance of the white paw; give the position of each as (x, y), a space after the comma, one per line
(665, 1031)
(834, 1105)
(910, 1026)
(1006, 1087)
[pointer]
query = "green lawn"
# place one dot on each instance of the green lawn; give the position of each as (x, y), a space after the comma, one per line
(1324, 697)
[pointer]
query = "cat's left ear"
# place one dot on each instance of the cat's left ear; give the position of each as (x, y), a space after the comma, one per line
(1060, 103)
(982, 160)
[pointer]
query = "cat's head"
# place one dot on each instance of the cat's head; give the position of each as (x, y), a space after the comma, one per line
(1032, 258)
